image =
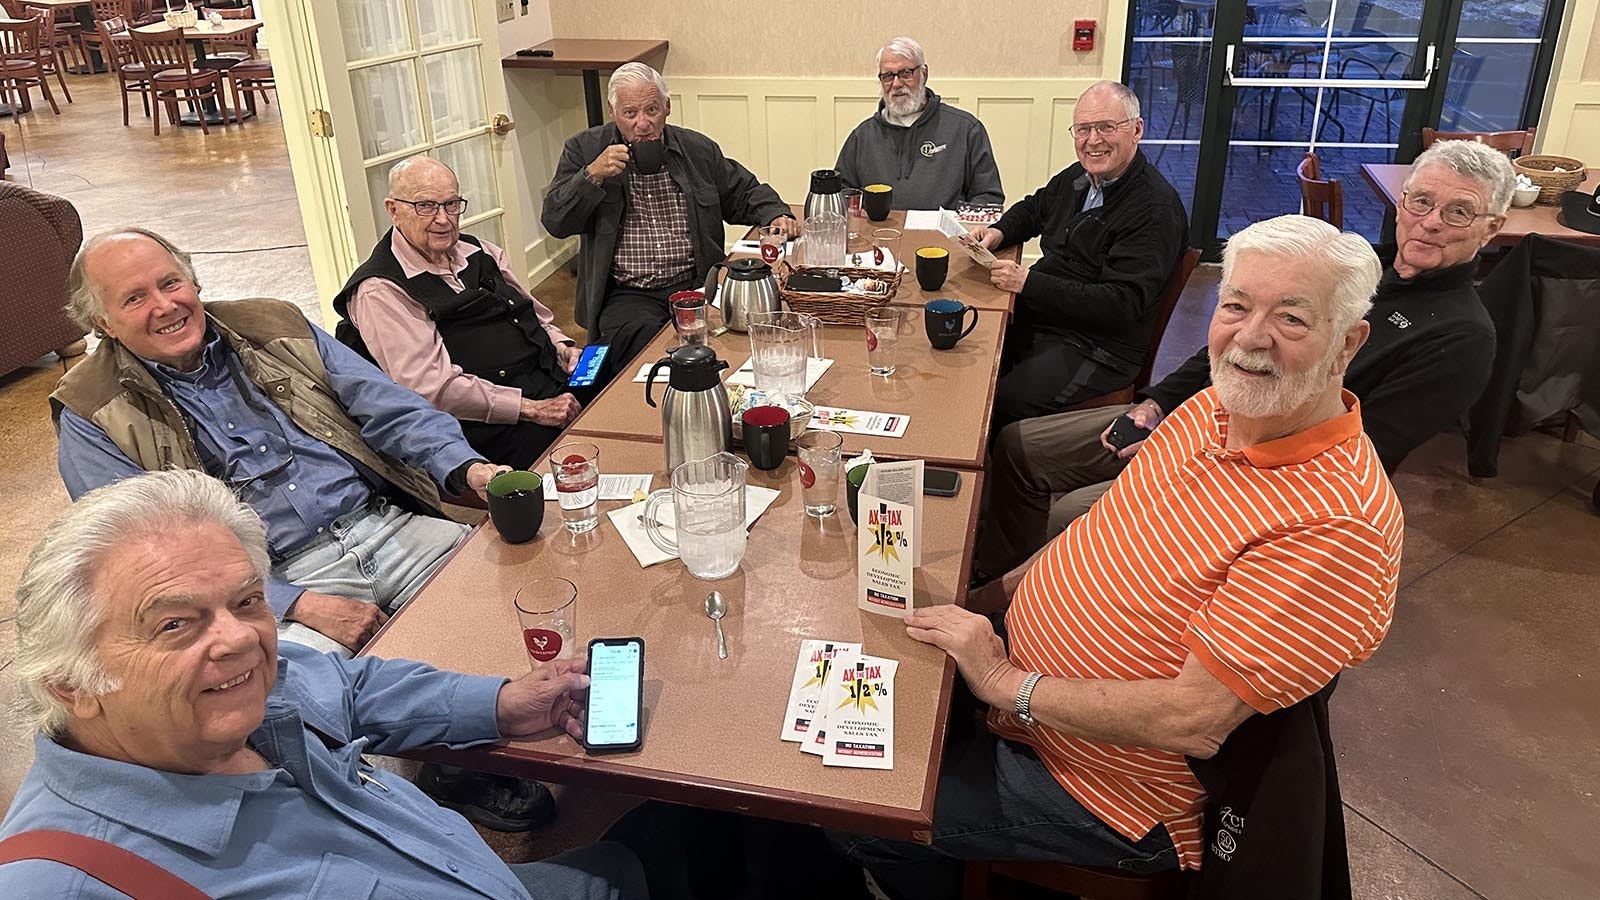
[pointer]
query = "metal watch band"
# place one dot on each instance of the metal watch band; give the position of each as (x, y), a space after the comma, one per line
(1024, 704)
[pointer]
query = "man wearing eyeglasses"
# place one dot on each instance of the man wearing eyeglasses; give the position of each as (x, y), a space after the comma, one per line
(445, 316)
(1111, 229)
(933, 155)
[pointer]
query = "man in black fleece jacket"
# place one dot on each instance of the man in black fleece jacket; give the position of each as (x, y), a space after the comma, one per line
(1111, 229)
(1425, 362)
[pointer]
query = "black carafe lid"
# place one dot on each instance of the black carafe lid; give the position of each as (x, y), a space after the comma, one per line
(826, 181)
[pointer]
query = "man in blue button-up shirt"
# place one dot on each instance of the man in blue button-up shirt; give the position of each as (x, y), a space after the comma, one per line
(171, 726)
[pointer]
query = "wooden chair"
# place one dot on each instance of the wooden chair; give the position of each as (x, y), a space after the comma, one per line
(250, 77)
(1086, 882)
(103, 11)
(1511, 143)
(132, 76)
(1320, 198)
(173, 77)
(1171, 293)
(20, 70)
(227, 52)
(53, 44)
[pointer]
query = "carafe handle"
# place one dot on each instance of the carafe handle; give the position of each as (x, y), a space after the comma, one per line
(650, 381)
(652, 528)
(712, 284)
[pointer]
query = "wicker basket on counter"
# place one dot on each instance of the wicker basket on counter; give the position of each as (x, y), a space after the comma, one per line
(1541, 170)
(837, 307)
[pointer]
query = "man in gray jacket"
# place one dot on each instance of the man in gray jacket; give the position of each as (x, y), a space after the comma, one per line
(933, 155)
(646, 235)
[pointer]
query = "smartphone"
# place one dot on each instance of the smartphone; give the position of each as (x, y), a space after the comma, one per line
(941, 482)
(588, 367)
(1124, 432)
(616, 696)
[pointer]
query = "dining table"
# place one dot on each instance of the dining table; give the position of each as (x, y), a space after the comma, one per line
(198, 36)
(1387, 181)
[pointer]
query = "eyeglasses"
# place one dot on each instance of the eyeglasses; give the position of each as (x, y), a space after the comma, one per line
(1104, 129)
(906, 75)
(430, 208)
(1420, 205)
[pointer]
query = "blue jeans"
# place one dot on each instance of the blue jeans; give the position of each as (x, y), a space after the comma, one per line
(379, 555)
(996, 801)
(603, 871)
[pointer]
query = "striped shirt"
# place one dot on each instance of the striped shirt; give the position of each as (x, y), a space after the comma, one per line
(1274, 565)
(653, 247)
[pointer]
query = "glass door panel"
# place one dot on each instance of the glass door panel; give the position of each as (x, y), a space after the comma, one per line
(1169, 69)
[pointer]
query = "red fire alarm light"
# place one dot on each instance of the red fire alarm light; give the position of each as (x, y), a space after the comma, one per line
(1083, 34)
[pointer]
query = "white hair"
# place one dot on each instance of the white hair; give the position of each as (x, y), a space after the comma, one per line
(1348, 257)
(1130, 100)
(85, 306)
(904, 47)
(58, 611)
(1490, 168)
(636, 73)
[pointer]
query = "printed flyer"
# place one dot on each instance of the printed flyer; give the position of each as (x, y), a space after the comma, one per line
(811, 671)
(860, 703)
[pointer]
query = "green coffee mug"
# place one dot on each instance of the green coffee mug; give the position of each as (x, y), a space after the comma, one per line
(852, 486)
(516, 505)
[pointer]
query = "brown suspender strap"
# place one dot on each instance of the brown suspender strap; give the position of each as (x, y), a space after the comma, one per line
(120, 869)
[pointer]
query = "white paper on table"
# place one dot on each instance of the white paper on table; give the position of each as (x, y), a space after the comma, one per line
(855, 421)
(626, 520)
(612, 487)
(816, 743)
(815, 368)
(885, 575)
(923, 219)
(902, 483)
(811, 670)
(861, 726)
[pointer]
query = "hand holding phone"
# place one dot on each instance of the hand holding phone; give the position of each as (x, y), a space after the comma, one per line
(548, 697)
(588, 366)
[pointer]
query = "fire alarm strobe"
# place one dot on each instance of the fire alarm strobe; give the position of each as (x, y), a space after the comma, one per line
(1083, 34)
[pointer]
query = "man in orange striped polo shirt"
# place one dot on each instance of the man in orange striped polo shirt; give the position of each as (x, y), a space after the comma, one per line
(1247, 555)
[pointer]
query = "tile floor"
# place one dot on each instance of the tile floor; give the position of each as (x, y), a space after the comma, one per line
(1470, 744)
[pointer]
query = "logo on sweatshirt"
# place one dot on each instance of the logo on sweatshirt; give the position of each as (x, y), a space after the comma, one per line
(929, 148)
(1399, 321)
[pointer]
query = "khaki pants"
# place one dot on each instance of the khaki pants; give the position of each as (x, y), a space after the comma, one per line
(1043, 473)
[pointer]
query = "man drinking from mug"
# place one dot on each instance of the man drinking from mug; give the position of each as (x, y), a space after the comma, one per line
(649, 202)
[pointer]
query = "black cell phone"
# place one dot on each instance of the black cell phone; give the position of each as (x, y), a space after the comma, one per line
(588, 367)
(816, 283)
(941, 482)
(1124, 432)
(616, 695)
(530, 51)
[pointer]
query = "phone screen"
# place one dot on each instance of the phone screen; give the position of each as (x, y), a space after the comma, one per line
(616, 669)
(588, 367)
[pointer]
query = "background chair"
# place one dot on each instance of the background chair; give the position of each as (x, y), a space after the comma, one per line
(1511, 143)
(39, 234)
(1167, 302)
(53, 43)
(226, 52)
(248, 78)
(20, 69)
(174, 79)
(1321, 199)
(132, 76)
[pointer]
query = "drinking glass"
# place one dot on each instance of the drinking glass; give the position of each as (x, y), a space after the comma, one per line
(887, 240)
(883, 339)
(576, 469)
(774, 239)
(547, 610)
(819, 453)
(852, 210)
(689, 317)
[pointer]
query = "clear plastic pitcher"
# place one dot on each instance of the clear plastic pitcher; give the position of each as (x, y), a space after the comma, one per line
(707, 514)
(824, 240)
(780, 344)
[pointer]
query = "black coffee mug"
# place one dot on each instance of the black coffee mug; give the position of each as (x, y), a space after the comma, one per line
(942, 319)
(766, 436)
(876, 201)
(933, 264)
(648, 156)
(516, 505)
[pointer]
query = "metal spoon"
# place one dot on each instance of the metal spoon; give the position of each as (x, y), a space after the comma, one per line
(716, 608)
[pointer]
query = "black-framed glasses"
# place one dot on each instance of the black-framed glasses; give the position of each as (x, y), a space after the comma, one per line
(1453, 215)
(1104, 129)
(906, 75)
(427, 209)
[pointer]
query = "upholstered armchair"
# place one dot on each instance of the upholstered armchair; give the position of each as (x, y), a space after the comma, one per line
(39, 233)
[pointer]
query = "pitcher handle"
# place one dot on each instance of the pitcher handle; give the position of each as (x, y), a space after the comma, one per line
(813, 327)
(653, 530)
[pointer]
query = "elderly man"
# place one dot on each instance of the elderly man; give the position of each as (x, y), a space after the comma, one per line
(933, 155)
(489, 354)
(1111, 229)
(1426, 361)
(338, 460)
(171, 725)
(1268, 552)
(647, 234)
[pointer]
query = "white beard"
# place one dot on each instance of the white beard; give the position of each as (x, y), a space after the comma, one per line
(908, 106)
(1275, 395)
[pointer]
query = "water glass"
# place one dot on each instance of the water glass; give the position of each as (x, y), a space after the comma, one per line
(576, 469)
(883, 339)
(689, 317)
(819, 453)
(774, 240)
(547, 610)
(886, 240)
(852, 210)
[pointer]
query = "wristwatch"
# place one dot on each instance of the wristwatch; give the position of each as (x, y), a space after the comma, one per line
(1024, 704)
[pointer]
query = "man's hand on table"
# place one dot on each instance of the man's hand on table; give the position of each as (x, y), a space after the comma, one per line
(552, 696)
(557, 412)
(481, 473)
(350, 622)
(979, 653)
(611, 162)
(1146, 415)
(790, 227)
(1008, 276)
(568, 355)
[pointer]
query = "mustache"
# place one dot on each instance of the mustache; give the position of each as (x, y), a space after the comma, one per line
(1259, 361)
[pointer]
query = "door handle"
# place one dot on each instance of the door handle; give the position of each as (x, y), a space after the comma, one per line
(1401, 84)
(502, 124)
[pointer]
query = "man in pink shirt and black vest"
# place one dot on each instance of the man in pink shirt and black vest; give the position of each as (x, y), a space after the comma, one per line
(442, 314)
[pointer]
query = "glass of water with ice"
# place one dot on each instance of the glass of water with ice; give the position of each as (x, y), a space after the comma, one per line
(576, 469)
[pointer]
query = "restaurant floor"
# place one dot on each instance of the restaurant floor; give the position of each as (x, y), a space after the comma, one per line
(1469, 745)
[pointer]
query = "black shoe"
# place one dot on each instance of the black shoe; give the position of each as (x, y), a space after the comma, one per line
(497, 802)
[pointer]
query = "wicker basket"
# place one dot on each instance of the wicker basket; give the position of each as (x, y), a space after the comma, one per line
(838, 308)
(1551, 184)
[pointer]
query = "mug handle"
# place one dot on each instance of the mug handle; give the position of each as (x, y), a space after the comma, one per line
(651, 529)
(974, 311)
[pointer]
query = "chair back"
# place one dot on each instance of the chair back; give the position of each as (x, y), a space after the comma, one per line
(113, 41)
(1171, 293)
(1511, 143)
(163, 50)
(1320, 198)
(245, 42)
(19, 44)
(47, 25)
(111, 9)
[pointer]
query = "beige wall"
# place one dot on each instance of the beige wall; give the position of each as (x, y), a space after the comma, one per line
(1570, 124)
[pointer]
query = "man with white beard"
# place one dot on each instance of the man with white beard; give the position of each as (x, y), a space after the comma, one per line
(1247, 556)
(933, 154)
